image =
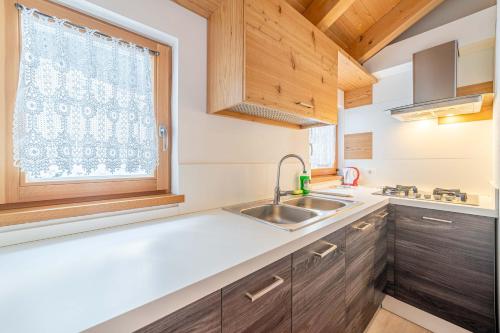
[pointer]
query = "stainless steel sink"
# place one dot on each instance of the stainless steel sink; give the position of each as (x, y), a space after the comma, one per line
(279, 214)
(294, 212)
(316, 203)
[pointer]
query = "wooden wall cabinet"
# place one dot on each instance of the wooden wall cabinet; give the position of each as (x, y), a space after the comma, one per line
(445, 265)
(318, 286)
(268, 63)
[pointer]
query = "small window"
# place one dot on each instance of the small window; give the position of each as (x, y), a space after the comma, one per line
(90, 112)
(322, 142)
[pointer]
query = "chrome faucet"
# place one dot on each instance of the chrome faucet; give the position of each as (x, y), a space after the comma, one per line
(277, 191)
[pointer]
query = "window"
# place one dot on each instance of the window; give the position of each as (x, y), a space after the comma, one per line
(85, 114)
(323, 149)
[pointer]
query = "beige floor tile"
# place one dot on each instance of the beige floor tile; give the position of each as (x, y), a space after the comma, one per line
(387, 322)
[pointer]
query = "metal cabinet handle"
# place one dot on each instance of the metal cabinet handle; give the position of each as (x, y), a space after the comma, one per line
(331, 248)
(262, 292)
(436, 220)
(163, 133)
(306, 105)
(363, 226)
(383, 215)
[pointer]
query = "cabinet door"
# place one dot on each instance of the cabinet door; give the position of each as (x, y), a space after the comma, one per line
(445, 265)
(390, 220)
(289, 64)
(260, 302)
(360, 274)
(380, 253)
(318, 287)
(203, 316)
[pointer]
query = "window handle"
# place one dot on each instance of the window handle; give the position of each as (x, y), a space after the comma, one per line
(311, 147)
(163, 132)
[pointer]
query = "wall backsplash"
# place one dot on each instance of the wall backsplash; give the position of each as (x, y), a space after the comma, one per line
(424, 153)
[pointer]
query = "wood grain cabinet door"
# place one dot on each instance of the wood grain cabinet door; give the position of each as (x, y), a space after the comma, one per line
(390, 225)
(259, 302)
(318, 286)
(203, 316)
(360, 259)
(380, 255)
(445, 265)
(289, 64)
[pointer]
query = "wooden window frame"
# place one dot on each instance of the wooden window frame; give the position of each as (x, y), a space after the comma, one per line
(16, 193)
(327, 174)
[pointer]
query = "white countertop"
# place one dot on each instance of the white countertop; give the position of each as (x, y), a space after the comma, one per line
(121, 279)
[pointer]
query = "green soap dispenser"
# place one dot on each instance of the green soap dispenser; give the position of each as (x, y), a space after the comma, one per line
(305, 183)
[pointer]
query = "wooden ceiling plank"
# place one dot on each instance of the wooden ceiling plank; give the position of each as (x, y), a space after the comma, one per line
(203, 8)
(323, 13)
(396, 21)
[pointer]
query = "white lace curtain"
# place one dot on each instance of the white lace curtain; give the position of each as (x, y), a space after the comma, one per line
(84, 102)
(322, 144)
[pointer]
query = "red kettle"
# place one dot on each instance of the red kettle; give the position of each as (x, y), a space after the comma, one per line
(351, 176)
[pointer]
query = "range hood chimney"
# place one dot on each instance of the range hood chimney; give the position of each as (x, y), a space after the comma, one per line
(435, 86)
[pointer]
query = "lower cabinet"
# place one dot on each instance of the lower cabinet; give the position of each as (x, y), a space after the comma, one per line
(259, 302)
(318, 286)
(333, 285)
(202, 316)
(445, 265)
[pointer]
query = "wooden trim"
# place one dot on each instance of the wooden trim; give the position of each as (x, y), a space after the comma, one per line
(13, 181)
(37, 192)
(486, 113)
(323, 172)
(322, 179)
(474, 89)
(396, 21)
(324, 13)
(204, 8)
(358, 97)
(57, 211)
(163, 92)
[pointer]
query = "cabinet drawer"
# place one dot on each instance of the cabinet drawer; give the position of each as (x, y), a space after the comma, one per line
(359, 238)
(318, 297)
(203, 316)
(445, 265)
(260, 302)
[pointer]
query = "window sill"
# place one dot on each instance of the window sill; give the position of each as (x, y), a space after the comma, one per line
(12, 216)
(324, 178)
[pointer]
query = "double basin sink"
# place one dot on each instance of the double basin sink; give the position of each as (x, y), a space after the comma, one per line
(294, 212)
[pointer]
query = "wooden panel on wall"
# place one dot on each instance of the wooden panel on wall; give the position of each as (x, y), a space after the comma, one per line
(358, 146)
(486, 113)
(358, 97)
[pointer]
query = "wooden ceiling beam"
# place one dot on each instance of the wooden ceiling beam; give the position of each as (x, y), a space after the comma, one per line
(391, 25)
(323, 13)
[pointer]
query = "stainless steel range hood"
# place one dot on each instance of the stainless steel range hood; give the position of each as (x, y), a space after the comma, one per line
(435, 86)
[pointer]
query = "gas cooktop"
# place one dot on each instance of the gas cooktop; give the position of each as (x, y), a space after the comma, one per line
(454, 196)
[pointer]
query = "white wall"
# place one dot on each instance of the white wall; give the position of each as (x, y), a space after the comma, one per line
(219, 161)
(424, 153)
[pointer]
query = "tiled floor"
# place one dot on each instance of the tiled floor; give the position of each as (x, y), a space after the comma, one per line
(387, 322)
